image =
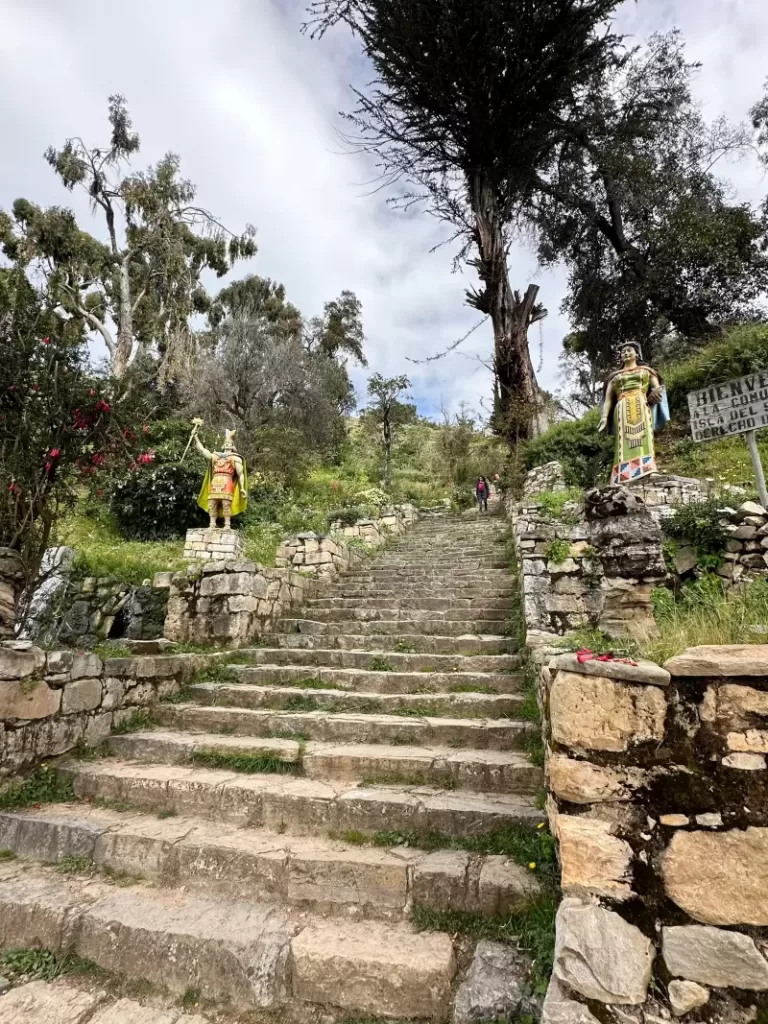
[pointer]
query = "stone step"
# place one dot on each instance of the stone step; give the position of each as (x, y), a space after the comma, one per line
(477, 733)
(65, 1002)
(469, 645)
(294, 805)
(223, 861)
(468, 565)
(371, 681)
(420, 602)
(489, 771)
(389, 614)
(252, 956)
(398, 627)
(293, 698)
(345, 589)
(401, 662)
(428, 576)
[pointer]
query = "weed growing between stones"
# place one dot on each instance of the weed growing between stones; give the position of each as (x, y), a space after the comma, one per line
(414, 711)
(191, 999)
(7, 855)
(42, 787)
(405, 779)
(182, 696)
(75, 865)
(380, 664)
(167, 813)
(121, 878)
(107, 651)
(558, 550)
(599, 643)
(216, 672)
(531, 928)
(300, 684)
(552, 504)
(471, 688)
(266, 764)
(108, 804)
(135, 722)
(297, 703)
(45, 965)
(404, 647)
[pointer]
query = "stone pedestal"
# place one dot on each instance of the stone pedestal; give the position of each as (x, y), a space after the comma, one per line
(214, 545)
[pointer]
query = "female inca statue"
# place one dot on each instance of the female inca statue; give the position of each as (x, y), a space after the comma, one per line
(225, 487)
(634, 406)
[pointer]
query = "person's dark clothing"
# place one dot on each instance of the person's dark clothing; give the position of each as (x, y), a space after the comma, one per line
(482, 492)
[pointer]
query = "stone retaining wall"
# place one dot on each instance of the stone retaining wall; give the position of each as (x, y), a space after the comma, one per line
(593, 565)
(658, 796)
(324, 555)
(52, 701)
(230, 603)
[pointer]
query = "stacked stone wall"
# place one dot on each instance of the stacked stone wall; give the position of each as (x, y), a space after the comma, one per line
(658, 797)
(51, 702)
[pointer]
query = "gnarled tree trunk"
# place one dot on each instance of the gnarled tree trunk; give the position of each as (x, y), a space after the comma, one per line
(517, 399)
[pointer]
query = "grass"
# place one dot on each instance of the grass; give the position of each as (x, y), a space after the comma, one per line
(379, 664)
(531, 928)
(45, 965)
(75, 865)
(471, 688)
(708, 612)
(597, 642)
(266, 764)
(167, 813)
(558, 550)
(553, 503)
(106, 803)
(139, 719)
(42, 787)
(7, 855)
(101, 551)
(404, 647)
(216, 672)
(107, 651)
(191, 999)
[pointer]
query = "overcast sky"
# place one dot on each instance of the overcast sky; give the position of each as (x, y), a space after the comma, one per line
(251, 107)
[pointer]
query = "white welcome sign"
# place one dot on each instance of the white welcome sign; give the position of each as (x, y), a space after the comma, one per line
(736, 407)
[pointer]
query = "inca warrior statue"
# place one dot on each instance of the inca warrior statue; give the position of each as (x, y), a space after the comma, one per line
(634, 406)
(225, 487)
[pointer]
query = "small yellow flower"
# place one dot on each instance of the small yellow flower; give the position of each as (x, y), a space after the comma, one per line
(541, 824)
(532, 865)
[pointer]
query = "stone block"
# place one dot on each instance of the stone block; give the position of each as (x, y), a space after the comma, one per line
(495, 986)
(724, 660)
(601, 956)
(363, 967)
(719, 877)
(685, 996)
(504, 886)
(86, 666)
(28, 699)
(641, 672)
(59, 662)
(593, 861)
(593, 712)
(440, 880)
(712, 956)
(745, 762)
(20, 660)
(581, 782)
(81, 695)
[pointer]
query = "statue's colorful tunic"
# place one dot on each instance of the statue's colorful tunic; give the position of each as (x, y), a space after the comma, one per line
(633, 425)
(223, 476)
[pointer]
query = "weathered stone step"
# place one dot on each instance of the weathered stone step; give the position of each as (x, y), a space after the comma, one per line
(402, 662)
(371, 681)
(252, 956)
(489, 771)
(65, 1002)
(399, 627)
(469, 645)
(468, 565)
(341, 727)
(428, 575)
(296, 806)
(226, 862)
(355, 613)
(345, 589)
(454, 705)
(421, 602)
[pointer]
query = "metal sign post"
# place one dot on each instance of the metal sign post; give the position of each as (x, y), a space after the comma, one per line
(736, 407)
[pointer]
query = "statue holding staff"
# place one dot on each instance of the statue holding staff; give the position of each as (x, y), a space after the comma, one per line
(634, 407)
(225, 485)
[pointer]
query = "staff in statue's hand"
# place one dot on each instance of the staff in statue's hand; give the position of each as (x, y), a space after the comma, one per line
(196, 424)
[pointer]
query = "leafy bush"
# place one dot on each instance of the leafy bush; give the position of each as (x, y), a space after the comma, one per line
(698, 523)
(740, 351)
(158, 502)
(558, 550)
(586, 455)
(346, 516)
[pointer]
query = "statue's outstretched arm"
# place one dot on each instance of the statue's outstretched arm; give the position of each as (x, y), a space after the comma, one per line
(240, 475)
(202, 449)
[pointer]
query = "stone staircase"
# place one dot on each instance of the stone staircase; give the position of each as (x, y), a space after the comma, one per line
(269, 828)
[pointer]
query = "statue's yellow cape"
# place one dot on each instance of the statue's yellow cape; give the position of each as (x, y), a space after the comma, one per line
(239, 502)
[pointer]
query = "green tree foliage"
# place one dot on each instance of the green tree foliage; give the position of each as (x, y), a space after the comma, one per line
(585, 454)
(141, 286)
(283, 383)
(629, 199)
(468, 100)
(388, 413)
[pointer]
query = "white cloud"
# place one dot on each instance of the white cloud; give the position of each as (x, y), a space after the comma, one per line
(251, 106)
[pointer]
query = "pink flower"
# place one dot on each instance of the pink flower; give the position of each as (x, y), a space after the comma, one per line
(55, 453)
(48, 467)
(46, 341)
(102, 406)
